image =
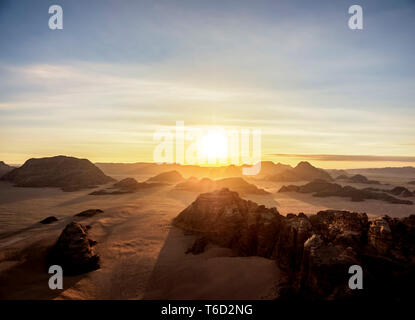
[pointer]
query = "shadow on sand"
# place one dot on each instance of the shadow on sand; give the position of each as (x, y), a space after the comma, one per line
(215, 274)
(29, 280)
(375, 207)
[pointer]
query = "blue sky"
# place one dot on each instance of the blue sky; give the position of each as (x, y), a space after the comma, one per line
(119, 69)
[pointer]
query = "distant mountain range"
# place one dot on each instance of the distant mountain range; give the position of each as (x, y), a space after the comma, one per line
(357, 178)
(304, 171)
(392, 171)
(207, 185)
(144, 168)
(71, 173)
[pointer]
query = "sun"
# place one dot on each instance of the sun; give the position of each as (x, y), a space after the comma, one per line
(213, 146)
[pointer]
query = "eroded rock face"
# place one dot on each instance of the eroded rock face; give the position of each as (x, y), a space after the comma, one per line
(226, 219)
(315, 252)
(74, 250)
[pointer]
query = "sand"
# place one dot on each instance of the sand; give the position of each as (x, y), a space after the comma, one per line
(142, 256)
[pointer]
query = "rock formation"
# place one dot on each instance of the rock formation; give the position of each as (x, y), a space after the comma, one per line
(88, 213)
(5, 168)
(322, 188)
(169, 177)
(74, 251)
(357, 178)
(48, 220)
(401, 191)
(397, 191)
(314, 252)
(226, 219)
(67, 173)
(304, 171)
(206, 185)
(127, 185)
(269, 168)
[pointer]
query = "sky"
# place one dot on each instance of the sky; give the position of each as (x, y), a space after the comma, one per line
(121, 70)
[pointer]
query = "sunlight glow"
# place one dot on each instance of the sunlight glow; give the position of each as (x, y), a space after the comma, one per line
(214, 146)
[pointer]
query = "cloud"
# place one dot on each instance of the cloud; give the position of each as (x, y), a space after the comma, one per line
(339, 157)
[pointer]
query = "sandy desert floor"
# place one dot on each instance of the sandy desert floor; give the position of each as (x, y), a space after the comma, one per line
(142, 256)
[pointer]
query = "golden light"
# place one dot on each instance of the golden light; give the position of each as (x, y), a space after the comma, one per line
(213, 146)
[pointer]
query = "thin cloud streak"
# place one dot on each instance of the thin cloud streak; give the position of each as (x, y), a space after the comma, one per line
(338, 157)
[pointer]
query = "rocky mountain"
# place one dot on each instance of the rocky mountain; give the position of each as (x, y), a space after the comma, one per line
(267, 168)
(63, 172)
(127, 185)
(226, 219)
(357, 178)
(205, 185)
(388, 171)
(74, 250)
(271, 168)
(397, 191)
(4, 168)
(322, 188)
(337, 172)
(314, 253)
(169, 177)
(304, 171)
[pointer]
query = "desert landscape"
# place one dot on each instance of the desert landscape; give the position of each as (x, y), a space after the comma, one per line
(161, 232)
(206, 150)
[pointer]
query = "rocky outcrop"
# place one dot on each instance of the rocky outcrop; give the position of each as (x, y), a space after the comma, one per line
(48, 220)
(5, 168)
(207, 185)
(198, 246)
(401, 192)
(226, 219)
(88, 213)
(67, 173)
(315, 252)
(304, 171)
(357, 178)
(127, 185)
(74, 251)
(169, 177)
(322, 188)
(397, 191)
